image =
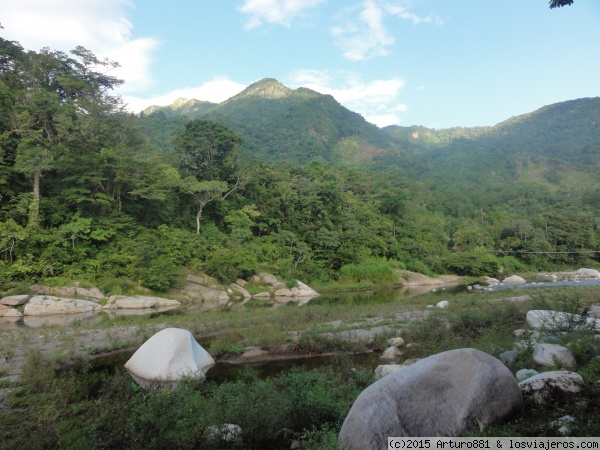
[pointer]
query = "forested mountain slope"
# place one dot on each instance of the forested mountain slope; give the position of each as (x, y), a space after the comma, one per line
(280, 124)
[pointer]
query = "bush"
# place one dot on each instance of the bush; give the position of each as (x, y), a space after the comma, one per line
(474, 262)
(228, 265)
(376, 272)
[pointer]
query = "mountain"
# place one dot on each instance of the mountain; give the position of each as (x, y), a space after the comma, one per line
(294, 125)
(566, 132)
(182, 107)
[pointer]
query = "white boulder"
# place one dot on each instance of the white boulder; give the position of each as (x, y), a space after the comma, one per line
(442, 395)
(515, 279)
(443, 304)
(167, 357)
(588, 273)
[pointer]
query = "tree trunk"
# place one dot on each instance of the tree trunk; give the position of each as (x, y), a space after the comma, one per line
(34, 208)
(198, 217)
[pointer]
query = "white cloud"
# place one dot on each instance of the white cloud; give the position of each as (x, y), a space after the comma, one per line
(377, 100)
(366, 36)
(280, 12)
(100, 26)
(216, 90)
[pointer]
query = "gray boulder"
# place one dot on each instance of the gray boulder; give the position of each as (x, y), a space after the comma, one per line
(561, 321)
(139, 302)
(47, 305)
(442, 395)
(549, 355)
(541, 386)
(15, 300)
(167, 357)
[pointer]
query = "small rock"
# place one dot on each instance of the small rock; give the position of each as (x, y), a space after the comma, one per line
(523, 374)
(391, 353)
(565, 423)
(12, 313)
(262, 295)
(396, 342)
(515, 279)
(550, 355)
(442, 304)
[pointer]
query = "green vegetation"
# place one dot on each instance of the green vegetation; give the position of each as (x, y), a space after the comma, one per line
(277, 180)
(100, 407)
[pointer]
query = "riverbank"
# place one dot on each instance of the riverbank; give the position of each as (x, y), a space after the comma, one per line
(482, 320)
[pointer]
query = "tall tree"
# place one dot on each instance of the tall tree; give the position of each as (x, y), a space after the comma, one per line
(61, 99)
(209, 163)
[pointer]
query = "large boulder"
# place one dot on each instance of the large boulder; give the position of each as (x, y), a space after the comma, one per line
(205, 294)
(167, 357)
(442, 395)
(45, 305)
(540, 319)
(588, 273)
(139, 302)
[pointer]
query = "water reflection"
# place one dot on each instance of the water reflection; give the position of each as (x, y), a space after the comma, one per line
(65, 320)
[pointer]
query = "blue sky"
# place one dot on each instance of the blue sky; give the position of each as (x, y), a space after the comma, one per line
(437, 63)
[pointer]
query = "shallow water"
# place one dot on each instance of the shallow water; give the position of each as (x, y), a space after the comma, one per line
(223, 371)
(375, 296)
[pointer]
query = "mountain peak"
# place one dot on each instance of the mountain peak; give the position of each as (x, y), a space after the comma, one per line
(268, 88)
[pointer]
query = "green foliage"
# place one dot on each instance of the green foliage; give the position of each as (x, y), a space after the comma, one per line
(97, 410)
(476, 262)
(87, 191)
(229, 264)
(376, 272)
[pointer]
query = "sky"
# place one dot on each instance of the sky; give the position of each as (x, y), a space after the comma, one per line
(436, 63)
